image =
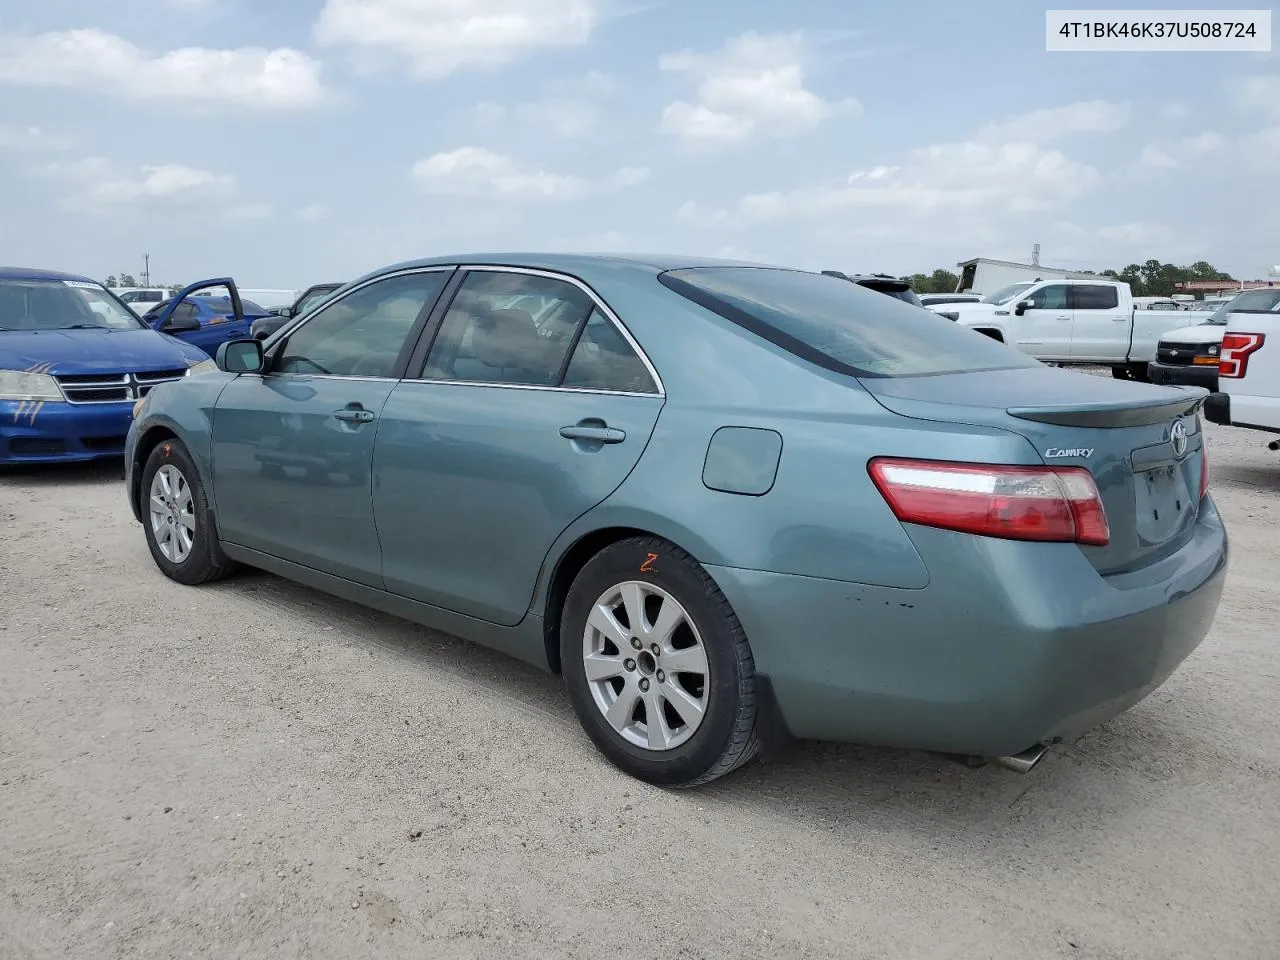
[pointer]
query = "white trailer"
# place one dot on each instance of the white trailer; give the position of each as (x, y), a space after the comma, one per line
(986, 276)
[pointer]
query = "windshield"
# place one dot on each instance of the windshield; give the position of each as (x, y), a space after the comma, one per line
(1005, 294)
(1251, 301)
(62, 305)
(840, 325)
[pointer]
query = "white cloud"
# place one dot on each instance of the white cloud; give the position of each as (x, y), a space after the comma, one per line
(755, 85)
(1156, 159)
(1207, 142)
(1039, 126)
(313, 213)
(478, 172)
(439, 37)
(1257, 95)
(33, 139)
(97, 182)
(958, 179)
(1176, 111)
(1139, 235)
(248, 77)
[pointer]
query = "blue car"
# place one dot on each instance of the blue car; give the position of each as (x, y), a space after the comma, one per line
(73, 361)
(203, 321)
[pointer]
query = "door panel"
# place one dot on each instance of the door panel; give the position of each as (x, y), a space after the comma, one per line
(291, 467)
(1100, 329)
(1045, 330)
(293, 449)
(475, 482)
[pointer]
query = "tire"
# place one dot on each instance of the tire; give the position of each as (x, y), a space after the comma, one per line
(203, 560)
(688, 747)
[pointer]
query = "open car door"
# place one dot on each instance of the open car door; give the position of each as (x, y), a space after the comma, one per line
(180, 317)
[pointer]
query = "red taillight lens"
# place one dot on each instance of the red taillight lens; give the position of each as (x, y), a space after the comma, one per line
(1236, 347)
(1014, 503)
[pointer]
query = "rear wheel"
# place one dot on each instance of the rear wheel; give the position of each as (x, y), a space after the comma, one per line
(657, 665)
(177, 520)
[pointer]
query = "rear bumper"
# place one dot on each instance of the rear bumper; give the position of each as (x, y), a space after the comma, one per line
(1024, 643)
(1191, 376)
(1250, 412)
(55, 431)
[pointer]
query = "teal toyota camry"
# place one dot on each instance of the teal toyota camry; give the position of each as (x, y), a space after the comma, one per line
(724, 501)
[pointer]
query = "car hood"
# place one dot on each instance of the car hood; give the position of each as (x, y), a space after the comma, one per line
(94, 351)
(1194, 336)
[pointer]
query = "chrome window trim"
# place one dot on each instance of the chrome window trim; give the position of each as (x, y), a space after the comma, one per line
(499, 385)
(291, 328)
(604, 309)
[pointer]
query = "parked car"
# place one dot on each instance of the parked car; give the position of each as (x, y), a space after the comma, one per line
(1072, 322)
(1191, 355)
(1249, 368)
(142, 299)
(313, 296)
(731, 500)
(205, 321)
(73, 360)
(881, 283)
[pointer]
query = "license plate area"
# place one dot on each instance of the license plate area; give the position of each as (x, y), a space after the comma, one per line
(1163, 503)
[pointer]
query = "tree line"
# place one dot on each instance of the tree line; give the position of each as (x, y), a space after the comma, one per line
(128, 280)
(1150, 279)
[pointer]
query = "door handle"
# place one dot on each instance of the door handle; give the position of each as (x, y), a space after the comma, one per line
(581, 431)
(354, 415)
(1064, 318)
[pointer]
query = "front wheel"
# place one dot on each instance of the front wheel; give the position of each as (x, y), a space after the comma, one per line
(657, 665)
(177, 520)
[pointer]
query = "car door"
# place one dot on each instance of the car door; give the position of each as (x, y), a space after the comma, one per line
(179, 316)
(1044, 328)
(1100, 324)
(293, 446)
(508, 431)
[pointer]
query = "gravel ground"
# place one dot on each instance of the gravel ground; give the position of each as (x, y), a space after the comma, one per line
(255, 770)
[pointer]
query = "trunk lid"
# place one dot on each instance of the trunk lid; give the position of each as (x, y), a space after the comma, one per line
(1123, 432)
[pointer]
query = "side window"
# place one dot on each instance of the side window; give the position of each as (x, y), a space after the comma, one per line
(363, 333)
(1050, 298)
(1094, 297)
(603, 360)
(490, 334)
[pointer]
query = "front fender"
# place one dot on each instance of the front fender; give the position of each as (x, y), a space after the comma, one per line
(184, 410)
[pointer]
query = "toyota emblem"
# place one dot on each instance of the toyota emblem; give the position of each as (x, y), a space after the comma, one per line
(1178, 436)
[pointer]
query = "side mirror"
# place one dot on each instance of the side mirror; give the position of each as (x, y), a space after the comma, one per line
(240, 356)
(1022, 307)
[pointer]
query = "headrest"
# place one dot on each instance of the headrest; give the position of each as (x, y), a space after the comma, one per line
(505, 338)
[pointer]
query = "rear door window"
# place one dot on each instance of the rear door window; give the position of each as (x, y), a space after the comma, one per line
(839, 325)
(1091, 296)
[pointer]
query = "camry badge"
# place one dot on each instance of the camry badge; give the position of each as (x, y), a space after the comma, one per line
(1178, 436)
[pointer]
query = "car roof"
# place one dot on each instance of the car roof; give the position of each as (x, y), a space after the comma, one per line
(568, 262)
(32, 273)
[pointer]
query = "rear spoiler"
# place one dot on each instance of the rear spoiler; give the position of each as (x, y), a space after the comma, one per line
(1123, 414)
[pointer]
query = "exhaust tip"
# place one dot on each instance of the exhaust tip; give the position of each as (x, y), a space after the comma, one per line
(1024, 761)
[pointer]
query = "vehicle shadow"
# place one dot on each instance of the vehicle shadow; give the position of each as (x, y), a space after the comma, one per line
(89, 473)
(845, 787)
(1261, 477)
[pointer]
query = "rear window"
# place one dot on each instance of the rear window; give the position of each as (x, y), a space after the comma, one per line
(839, 325)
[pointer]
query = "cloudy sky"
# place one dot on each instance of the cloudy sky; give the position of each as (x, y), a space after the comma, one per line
(298, 141)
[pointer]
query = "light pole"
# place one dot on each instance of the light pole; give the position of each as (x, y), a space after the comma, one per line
(146, 269)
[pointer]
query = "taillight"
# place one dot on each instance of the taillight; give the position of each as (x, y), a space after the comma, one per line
(1014, 503)
(1236, 348)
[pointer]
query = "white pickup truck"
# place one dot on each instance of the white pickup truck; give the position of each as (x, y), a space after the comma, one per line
(1071, 321)
(1249, 372)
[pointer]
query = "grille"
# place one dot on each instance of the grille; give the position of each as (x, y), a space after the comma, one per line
(113, 387)
(99, 444)
(1175, 355)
